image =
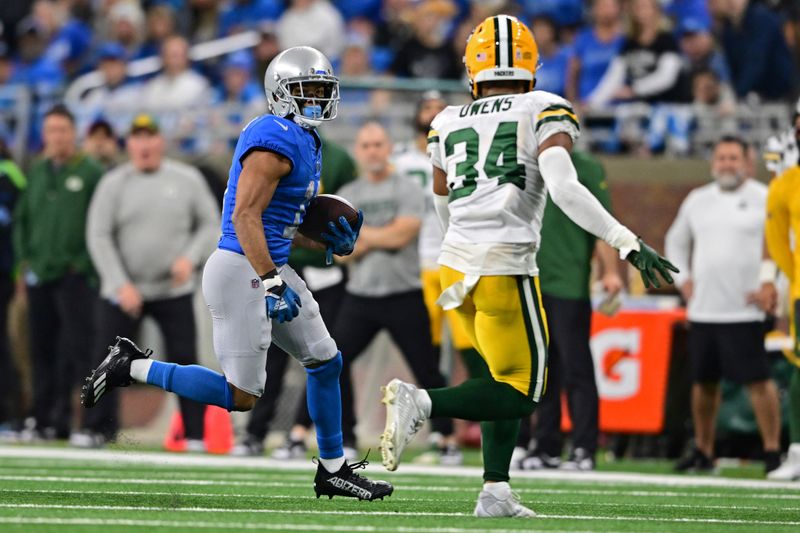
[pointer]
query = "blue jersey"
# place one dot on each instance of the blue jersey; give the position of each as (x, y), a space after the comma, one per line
(595, 56)
(295, 190)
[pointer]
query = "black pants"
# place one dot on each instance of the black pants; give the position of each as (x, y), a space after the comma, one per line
(570, 367)
(9, 378)
(329, 301)
(61, 327)
(406, 319)
(175, 319)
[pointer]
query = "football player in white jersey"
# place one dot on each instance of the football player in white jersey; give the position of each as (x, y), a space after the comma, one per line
(495, 160)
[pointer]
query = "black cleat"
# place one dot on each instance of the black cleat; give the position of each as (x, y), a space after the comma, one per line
(347, 483)
(114, 371)
(696, 462)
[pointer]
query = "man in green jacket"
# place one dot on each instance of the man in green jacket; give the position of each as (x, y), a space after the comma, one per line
(50, 244)
(565, 263)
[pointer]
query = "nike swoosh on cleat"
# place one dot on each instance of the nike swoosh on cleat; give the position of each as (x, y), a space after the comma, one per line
(281, 124)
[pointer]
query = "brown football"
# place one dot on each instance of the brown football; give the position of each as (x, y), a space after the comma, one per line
(326, 208)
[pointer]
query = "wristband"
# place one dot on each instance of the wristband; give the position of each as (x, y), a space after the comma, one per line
(768, 271)
(271, 279)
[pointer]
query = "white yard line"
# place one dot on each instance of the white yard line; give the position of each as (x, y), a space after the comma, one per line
(402, 486)
(103, 522)
(221, 510)
(537, 501)
(170, 459)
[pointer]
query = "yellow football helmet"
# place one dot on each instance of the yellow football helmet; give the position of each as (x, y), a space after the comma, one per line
(501, 48)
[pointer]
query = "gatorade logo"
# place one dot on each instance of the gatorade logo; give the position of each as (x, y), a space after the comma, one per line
(617, 366)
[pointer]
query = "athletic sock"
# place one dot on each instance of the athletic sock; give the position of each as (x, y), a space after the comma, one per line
(474, 363)
(498, 439)
(194, 382)
(794, 406)
(499, 489)
(480, 399)
(332, 465)
(324, 400)
(140, 368)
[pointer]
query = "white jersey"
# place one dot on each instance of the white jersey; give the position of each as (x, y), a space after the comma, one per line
(415, 165)
(489, 150)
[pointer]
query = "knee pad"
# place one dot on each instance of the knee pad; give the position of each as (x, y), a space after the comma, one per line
(321, 352)
(330, 368)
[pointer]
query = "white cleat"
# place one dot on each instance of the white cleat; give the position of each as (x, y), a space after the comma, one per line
(790, 469)
(492, 505)
(404, 418)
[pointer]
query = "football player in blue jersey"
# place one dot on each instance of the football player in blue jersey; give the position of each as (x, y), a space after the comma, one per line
(253, 294)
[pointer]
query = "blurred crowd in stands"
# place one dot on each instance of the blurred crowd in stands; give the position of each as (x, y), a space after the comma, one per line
(706, 53)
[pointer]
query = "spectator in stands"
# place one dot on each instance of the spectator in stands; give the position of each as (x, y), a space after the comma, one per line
(561, 12)
(384, 289)
(699, 50)
(12, 183)
(428, 53)
(238, 86)
(327, 282)
(178, 86)
(161, 23)
(594, 49)
(116, 98)
(720, 228)
(152, 224)
(266, 49)
(240, 15)
(68, 38)
(126, 26)
(754, 44)
(553, 58)
(239, 98)
(101, 143)
(50, 244)
(648, 68)
(565, 263)
(710, 93)
(203, 24)
(328, 27)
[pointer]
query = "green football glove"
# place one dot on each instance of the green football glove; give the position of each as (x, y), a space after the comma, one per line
(647, 261)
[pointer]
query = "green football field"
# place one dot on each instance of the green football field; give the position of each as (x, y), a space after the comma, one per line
(58, 490)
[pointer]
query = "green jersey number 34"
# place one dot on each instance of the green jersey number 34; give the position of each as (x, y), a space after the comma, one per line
(501, 161)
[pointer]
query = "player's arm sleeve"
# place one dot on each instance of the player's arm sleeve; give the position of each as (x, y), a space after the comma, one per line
(578, 203)
(592, 174)
(678, 242)
(776, 229)
(206, 221)
(100, 224)
(435, 147)
(269, 136)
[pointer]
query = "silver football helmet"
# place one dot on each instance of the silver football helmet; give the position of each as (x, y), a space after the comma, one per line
(287, 80)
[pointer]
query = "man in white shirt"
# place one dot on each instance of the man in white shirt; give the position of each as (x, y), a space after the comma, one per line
(178, 86)
(717, 242)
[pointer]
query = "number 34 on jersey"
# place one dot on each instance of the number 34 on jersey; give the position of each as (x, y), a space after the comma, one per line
(489, 151)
